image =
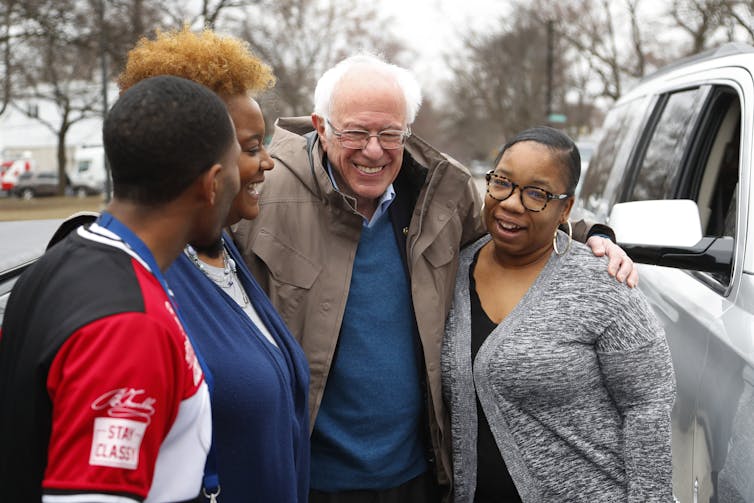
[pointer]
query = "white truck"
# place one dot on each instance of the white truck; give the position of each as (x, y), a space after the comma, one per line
(88, 174)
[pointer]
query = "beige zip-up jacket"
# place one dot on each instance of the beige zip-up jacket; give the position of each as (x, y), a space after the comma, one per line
(302, 246)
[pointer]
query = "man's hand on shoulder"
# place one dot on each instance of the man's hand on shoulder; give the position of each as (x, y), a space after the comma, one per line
(619, 264)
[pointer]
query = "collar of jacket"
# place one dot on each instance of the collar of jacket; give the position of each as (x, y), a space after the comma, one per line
(420, 160)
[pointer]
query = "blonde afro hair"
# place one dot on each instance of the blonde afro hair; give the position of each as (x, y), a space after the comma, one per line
(224, 64)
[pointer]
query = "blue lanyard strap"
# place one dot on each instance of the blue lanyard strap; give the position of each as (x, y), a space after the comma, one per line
(109, 222)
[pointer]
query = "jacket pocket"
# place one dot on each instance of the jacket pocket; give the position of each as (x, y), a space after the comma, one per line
(445, 234)
(439, 253)
(292, 273)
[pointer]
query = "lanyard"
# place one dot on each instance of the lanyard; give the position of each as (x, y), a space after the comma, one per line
(109, 222)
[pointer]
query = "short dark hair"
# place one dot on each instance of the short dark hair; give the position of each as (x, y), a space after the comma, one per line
(559, 143)
(161, 135)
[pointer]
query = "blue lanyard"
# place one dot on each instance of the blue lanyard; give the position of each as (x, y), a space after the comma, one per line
(109, 222)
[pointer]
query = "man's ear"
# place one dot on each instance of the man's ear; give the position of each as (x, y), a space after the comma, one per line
(208, 184)
(319, 125)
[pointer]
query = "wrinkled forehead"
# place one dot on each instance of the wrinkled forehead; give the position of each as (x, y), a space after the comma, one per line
(368, 90)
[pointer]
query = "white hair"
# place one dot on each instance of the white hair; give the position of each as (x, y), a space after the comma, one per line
(323, 93)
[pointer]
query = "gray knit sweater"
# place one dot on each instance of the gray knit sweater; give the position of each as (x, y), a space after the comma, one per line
(577, 385)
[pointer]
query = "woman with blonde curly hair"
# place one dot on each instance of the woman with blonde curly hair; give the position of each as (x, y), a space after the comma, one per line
(259, 375)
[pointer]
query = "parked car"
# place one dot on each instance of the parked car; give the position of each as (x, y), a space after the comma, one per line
(21, 243)
(32, 184)
(675, 169)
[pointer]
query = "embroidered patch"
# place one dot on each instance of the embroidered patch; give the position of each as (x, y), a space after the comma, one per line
(116, 442)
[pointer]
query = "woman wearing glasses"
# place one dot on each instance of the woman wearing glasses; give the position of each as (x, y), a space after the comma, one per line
(558, 379)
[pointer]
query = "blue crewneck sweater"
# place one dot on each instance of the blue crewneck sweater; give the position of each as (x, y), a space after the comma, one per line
(367, 432)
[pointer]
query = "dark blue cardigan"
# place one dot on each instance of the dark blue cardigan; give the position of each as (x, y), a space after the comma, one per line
(259, 402)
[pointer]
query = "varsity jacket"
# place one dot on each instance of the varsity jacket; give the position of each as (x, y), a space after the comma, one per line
(101, 394)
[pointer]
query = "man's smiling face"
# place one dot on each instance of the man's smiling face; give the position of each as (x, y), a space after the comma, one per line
(373, 103)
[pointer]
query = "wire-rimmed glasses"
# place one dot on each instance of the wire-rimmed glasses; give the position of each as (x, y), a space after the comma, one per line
(389, 139)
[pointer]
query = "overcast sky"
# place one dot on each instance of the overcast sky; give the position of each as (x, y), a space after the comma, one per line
(435, 28)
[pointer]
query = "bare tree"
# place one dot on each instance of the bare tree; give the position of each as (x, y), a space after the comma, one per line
(700, 19)
(742, 12)
(591, 29)
(300, 39)
(124, 22)
(15, 30)
(177, 13)
(60, 61)
(57, 50)
(501, 86)
(6, 11)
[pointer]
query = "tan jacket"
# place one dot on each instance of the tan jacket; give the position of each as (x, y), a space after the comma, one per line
(302, 247)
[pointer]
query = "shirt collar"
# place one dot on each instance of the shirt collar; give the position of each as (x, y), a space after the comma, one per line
(386, 199)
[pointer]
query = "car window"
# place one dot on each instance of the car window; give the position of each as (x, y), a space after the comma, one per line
(609, 162)
(713, 180)
(667, 145)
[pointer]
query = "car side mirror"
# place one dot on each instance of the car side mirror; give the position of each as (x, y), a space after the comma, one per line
(669, 233)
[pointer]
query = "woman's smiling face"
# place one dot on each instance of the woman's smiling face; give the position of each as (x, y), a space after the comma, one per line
(254, 161)
(521, 235)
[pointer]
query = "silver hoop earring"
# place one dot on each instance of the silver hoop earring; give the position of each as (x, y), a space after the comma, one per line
(570, 240)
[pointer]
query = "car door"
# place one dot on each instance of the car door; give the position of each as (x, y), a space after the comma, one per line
(693, 149)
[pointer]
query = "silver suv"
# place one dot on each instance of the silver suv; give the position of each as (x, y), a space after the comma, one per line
(673, 175)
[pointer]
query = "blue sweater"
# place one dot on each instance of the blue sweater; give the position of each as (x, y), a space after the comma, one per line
(259, 402)
(367, 434)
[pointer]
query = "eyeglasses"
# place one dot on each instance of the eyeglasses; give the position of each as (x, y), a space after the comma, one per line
(532, 198)
(356, 139)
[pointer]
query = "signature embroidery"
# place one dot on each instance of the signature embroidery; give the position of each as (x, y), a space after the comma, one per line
(126, 403)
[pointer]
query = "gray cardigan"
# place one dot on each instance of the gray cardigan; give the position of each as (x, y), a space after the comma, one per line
(576, 382)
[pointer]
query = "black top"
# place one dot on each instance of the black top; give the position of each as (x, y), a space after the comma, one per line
(493, 482)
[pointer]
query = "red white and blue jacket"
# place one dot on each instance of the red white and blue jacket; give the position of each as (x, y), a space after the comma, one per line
(101, 394)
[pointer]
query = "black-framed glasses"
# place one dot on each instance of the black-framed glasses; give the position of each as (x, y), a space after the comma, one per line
(533, 198)
(356, 139)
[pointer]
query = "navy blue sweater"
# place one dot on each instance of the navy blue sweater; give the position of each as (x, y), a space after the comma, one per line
(369, 437)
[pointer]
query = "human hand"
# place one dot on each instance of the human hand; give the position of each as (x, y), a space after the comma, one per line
(619, 264)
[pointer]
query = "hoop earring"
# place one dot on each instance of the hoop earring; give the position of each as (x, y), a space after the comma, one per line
(570, 240)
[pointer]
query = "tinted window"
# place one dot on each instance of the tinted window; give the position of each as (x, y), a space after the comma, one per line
(713, 177)
(609, 162)
(669, 141)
